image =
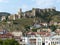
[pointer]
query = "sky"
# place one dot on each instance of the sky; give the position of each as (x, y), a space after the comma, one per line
(12, 6)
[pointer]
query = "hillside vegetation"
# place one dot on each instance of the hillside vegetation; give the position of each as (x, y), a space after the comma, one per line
(20, 24)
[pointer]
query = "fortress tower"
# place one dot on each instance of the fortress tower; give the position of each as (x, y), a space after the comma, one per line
(19, 13)
(33, 12)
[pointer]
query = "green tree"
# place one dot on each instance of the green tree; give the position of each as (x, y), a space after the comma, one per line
(9, 42)
(1, 42)
(53, 27)
(34, 30)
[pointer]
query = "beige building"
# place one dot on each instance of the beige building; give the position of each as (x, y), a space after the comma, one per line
(11, 17)
(57, 31)
(19, 13)
(17, 33)
(14, 17)
(3, 18)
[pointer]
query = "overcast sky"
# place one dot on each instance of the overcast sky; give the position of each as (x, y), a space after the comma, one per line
(12, 6)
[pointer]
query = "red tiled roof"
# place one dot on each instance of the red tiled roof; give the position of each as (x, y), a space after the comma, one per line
(7, 35)
(57, 31)
(17, 37)
(40, 33)
(31, 33)
(44, 33)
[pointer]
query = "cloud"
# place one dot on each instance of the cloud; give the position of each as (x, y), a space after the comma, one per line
(4, 1)
(39, 4)
(24, 7)
(58, 1)
(44, 3)
(32, 0)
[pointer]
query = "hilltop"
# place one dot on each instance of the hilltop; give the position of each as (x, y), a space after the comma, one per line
(27, 19)
(4, 14)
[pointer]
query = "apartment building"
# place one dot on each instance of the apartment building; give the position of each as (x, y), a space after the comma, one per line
(33, 40)
(23, 41)
(54, 40)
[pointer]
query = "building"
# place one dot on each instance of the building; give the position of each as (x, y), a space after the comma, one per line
(44, 24)
(46, 30)
(14, 17)
(54, 40)
(17, 33)
(47, 41)
(3, 32)
(57, 31)
(33, 40)
(28, 14)
(3, 18)
(11, 17)
(19, 14)
(36, 11)
(5, 35)
(23, 41)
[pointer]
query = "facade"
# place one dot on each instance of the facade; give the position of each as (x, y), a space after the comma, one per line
(5, 35)
(31, 13)
(47, 41)
(37, 40)
(54, 40)
(44, 24)
(23, 41)
(3, 31)
(57, 31)
(11, 17)
(3, 18)
(14, 17)
(17, 33)
(46, 30)
(33, 40)
(28, 14)
(36, 11)
(19, 14)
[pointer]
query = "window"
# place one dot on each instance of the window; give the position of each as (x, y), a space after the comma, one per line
(49, 43)
(32, 41)
(21, 40)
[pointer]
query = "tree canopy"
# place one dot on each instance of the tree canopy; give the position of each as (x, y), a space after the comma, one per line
(8, 42)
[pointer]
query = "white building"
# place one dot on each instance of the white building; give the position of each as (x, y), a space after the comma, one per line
(54, 40)
(47, 41)
(33, 40)
(23, 41)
